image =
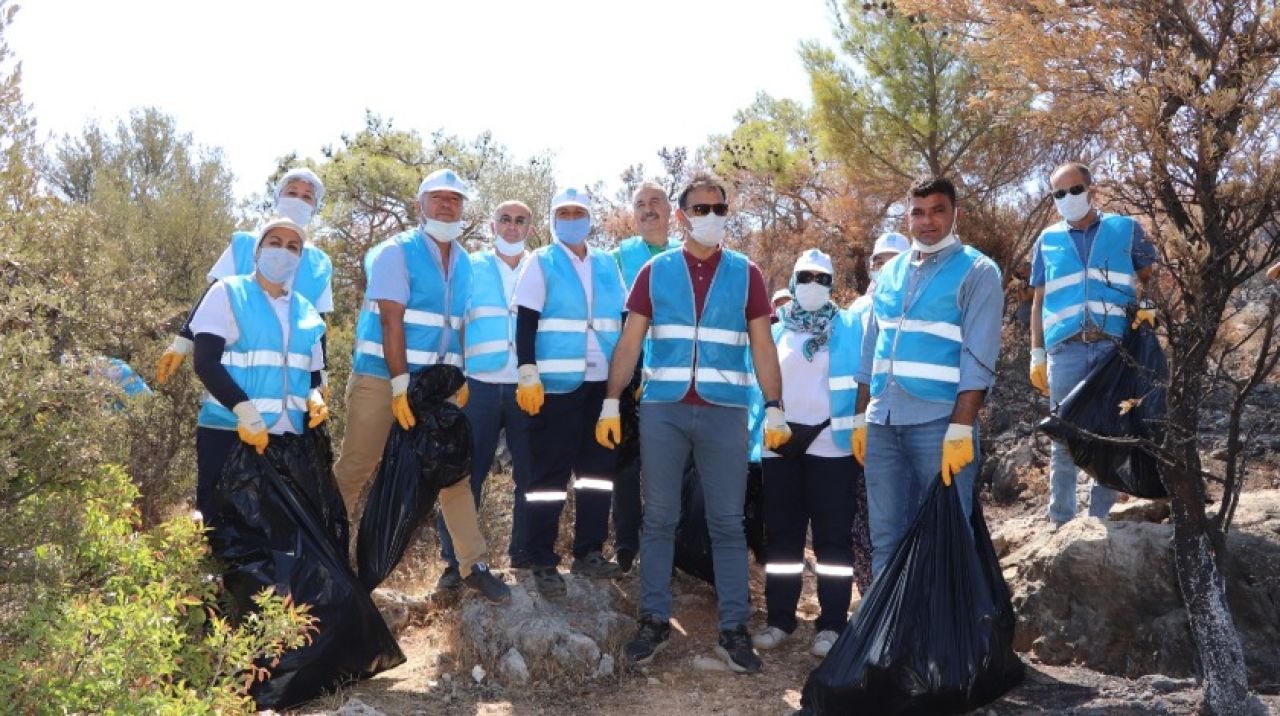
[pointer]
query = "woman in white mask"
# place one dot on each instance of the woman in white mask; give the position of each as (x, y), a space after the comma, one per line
(813, 480)
(257, 352)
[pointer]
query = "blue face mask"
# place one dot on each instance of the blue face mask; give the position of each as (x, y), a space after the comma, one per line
(573, 231)
(277, 264)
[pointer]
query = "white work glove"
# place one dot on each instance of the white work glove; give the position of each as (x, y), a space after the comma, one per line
(182, 345)
(250, 426)
(529, 391)
(776, 430)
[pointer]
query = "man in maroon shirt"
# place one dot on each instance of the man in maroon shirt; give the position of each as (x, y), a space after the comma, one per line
(702, 308)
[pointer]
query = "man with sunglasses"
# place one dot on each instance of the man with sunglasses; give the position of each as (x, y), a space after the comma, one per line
(928, 359)
(1087, 271)
(703, 308)
(651, 212)
(490, 359)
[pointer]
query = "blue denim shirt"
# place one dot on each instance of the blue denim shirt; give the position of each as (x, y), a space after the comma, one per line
(982, 306)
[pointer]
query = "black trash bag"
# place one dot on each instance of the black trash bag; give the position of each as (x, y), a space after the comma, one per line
(629, 411)
(416, 464)
(693, 554)
(1136, 371)
(934, 634)
(266, 532)
(323, 492)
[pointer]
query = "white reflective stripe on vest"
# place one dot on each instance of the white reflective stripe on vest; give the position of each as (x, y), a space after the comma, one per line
(546, 496)
(845, 423)
(412, 356)
(670, 332)
(1062, 282)
(606, 325)
(252, 359)
(422, 318)
(299, 361)
(690, 333)
(844, 382)
(832, 570)
(912, 369)
(489, 312)
(1115, 278)
(592, 483)
(732, 377)
(941, 329)
(475, 349)
(1054, 319)
(788, 568)
(566, 325)
(297, 403)
(668, 374)
(1106, 309)
(563, 365)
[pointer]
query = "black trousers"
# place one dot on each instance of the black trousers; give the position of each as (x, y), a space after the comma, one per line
(627, 511)
(212, 448)
(563, 446)
(802, 493)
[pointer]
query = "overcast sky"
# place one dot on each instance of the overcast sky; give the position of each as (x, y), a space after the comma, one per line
(601, 84)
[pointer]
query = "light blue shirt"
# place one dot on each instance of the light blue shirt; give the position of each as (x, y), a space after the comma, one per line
(981, 301)
(389, 277)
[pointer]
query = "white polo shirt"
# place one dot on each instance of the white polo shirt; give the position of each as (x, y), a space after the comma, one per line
(531, 293)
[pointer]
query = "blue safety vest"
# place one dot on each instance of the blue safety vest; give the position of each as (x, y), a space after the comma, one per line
(432, 318)
(1076, 298)
(491, 318)
(633, 254)
(315, 271)
(919, 344)
(275, 379)
(845, 347)
(681, 346)
(561, 344)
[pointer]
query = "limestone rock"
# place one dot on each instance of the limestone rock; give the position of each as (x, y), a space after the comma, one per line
(356, 707)
(398, 609)
(1140, 510)
(512, 669)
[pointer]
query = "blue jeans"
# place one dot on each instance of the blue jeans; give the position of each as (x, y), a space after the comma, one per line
(716, 436)
(492, 409)
(902, 463)
(1069, 363)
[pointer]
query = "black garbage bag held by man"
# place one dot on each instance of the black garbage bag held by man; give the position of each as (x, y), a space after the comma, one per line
(416, 464)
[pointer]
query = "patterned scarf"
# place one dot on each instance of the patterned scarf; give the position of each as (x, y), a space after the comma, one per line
(816, 323)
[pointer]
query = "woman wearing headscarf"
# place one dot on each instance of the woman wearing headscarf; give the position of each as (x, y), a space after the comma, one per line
(257, 352)
(813, 480)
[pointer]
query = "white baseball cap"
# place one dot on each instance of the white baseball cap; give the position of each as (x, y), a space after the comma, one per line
(813, 260)
(571, 196)
(891, 241)
(276, 222)
(303, 174)
(445, 180)
(779, 295)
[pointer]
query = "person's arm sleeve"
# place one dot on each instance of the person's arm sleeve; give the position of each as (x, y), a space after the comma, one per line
(213, 315)
(389, 279)
(526, 335)
(531, 289)
(1142, 252)
(758, 304)
(185, 332)
(870, 331)
(316, 379)
(324, 348)
(982, 306)
(324, 304)
(209, 369)
(639, 301)
(225, 265)
(1037, 267)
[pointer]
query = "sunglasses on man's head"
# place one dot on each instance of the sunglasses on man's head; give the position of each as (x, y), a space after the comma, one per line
(1073, 191)
(823, 279)
(704, 209)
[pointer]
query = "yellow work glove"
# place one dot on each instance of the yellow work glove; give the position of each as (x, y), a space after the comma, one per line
(317, 410)
(529, 393)
(400, 401)
(250, 426)
(957, 451)
(172, 358)
(609, 426)
(858, 439)
(776, 430)
(1144, 314)
(461, 397)
(1040, 371)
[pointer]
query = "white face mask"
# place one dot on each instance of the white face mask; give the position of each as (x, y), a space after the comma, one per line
(708, 230)
(295, 210)
(875, 275)
(946, 241)
(1073, 207)
(812, 296)
(507, 248)
(442, 231)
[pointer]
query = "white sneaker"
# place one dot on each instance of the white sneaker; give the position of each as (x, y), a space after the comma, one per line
(822, 642)
(769, 638)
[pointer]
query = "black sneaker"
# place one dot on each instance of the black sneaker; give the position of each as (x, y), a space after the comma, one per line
(626, 559)
(549, 582)
(648, 641)
(594, 566)
(450, 579)
(491, 587)
(520, 563)
(736, 650)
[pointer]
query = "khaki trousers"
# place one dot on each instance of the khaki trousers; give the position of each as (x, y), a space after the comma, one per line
(368, 402)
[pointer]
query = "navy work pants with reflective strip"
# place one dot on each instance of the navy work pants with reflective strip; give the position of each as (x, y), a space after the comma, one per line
(800, 492)
(213, 446)
(567, 457)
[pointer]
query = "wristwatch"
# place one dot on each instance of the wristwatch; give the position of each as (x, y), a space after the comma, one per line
(773, 404)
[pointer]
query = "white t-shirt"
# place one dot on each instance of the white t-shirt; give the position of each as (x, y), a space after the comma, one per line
(531, 292)
(507, 373)
(214, 316)
(226, 266)
(806, 394)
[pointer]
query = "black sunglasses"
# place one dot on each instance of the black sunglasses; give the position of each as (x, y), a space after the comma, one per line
(823, 279)
(1076, 190)
(704, 209)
